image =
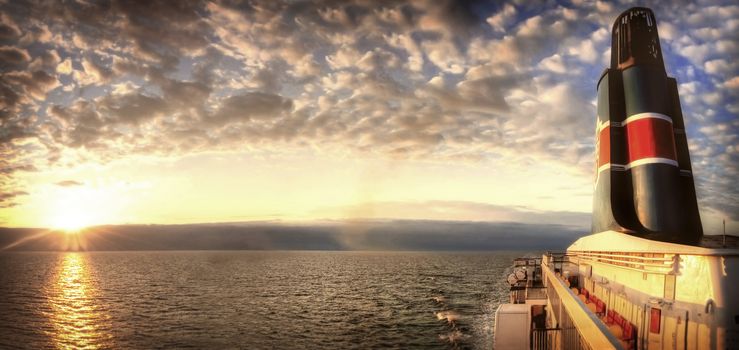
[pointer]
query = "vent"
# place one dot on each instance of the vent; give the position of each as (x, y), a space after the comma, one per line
(635, 39)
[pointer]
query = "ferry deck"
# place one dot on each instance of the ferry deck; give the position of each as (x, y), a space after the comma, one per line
(616, 291)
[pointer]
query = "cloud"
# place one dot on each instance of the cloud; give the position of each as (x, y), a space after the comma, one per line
(8, 195)
(461, 210)
(439, 80)
(65, 67)
(250, 106)
(69, 183)
(25, 86)
(8, 28)
(13, 56)
(93, 73)
(586, 50)
(503, 18)
(7, 198)
(10, 167)
(720, 67)
(133, 108)
(47, 60)
(344, 57)
(554, 64)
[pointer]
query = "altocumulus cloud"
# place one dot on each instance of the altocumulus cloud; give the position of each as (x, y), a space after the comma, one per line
(69, 183)
(439, 80)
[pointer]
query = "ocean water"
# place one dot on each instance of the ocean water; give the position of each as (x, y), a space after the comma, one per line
(252, 300)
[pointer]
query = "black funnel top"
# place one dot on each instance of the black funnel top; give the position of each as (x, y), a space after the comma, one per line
(635, 40)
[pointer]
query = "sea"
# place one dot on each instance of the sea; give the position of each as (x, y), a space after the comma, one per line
(251, 299)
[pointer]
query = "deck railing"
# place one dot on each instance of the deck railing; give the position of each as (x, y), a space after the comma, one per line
(534, 293)
(545, 338)
(579, 328)
(643, 262)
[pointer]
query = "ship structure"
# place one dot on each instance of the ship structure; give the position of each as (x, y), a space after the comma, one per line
(647, 277)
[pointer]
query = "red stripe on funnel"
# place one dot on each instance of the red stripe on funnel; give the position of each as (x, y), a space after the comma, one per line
(650, 138)
(603, 143)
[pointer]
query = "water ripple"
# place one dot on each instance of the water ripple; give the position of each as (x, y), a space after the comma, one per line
(316, 300)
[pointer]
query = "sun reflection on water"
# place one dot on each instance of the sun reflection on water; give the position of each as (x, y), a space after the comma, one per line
(77, 319)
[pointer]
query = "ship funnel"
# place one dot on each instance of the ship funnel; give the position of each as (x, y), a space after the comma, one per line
(644, 181)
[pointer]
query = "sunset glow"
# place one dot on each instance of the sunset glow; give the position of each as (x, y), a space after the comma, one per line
(71, 223)
(73, 208)
(333, 174)
(184, 112)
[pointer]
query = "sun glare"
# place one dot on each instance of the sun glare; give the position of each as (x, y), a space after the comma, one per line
(74, 209)
(71, 221)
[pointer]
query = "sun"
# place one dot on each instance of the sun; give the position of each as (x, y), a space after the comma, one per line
(72, 209)
(72, 220)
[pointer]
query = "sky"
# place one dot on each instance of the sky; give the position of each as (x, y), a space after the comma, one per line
(117, 112)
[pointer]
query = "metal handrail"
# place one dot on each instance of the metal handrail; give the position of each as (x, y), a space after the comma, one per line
(666, 267)
(545, 338)
(536, 293)
(629, 262)
(580, 327)
(621, 255)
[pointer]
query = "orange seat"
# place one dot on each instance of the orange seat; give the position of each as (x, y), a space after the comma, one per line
(629, 331)
(601, 306)
(616, 330)
(617, 319)
(591, 307)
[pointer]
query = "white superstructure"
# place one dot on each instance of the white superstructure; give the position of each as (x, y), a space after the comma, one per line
(616, 291)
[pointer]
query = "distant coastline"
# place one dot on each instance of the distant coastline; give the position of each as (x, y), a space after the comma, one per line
(396, 235)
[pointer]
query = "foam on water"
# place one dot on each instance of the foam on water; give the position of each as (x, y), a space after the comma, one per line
(453, 337)
(449, 316)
